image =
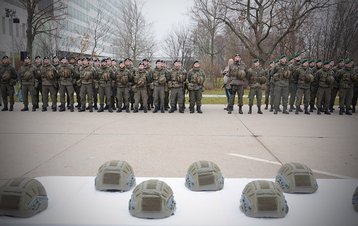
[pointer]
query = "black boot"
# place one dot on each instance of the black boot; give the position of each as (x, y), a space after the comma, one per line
(127, 109)
(296, 112)
(191, 108)
(198, 109)
(318, 111)
(284, 111)
(291, 108)
(95, 106)
(135, 110)
(326, 111)
(306, 111)
(266, 107)
(299, 109)
(162, 109)
(72, 109)
(132, 107)
(62, 108)
(348, 112)
(54, 108)
(100, 108)
(110, 109)
(82, 109)
(120, 109)
(181, 109)
(141, 107)
(229, 109)
(11, 108)
(172, 109)
(33, 108)
(44, 109)
(155, 109)
(26, 108)
(90, 108)
(250, 110)
(145, 110)
(341, 111)
(311, 108)
(259, 110)
(240, 110)
(271, 109)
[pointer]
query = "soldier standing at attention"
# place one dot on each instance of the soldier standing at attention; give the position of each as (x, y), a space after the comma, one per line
(86, 82)
(105, 77)
(122, 78)
(335, 85)
(314, 85)
(272, 87)
(237, 75)
(129, 66)
(268, 83)
(149, 86)
(8, 78)
(77, 66)
(27, 78)
(176, 85)
(97, 68)
(226, 81)
(305, 78)
(49, 80)
(282, 75)
(325, 79)
(140, 88)
(66, 74)
(159, 82)
(196, 79)
(346, 81)
(256, 78)
(293, 80)
(38, 82)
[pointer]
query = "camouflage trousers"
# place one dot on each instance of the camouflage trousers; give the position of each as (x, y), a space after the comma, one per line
(267, 94)
(176, 95)
(272, 94)
(86, 91)
(141, 93)
(345, 97)
(323, 94)
(313, 95)
(158, 96)
(69, 90)
(123, 96)
(256, 91)
(305, 93)
(195, 97)
(334, 92)
(355, 96)
(26, 89)
(105, 91)
(281, 92)
(7, 90)
(292, 91)
(239, 89)
(46, 90)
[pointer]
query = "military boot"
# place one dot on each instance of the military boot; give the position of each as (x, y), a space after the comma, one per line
(250, 110)
(198, 109)
(259, 110)
(229, 109)
(62, 108)
(311, 108)
(110, 109)
(132, 107)
(54, 108)
(105, 107)
(191, 108)
(162, 110)
(181, 110)
(271, 109)
(127, 109)
(266, 107)
(171, 109)
(120, 110)
(135, 110)
(90, 108)
(44, 109)
(26, 108)
(155, 109)
(284, 111)
(291, 108)
(240, 110)
(341, 111)
(318, 111)
(348, 112)
(306, 111)
(299, 109)
(72, 109)
(296, 112)
(141, 107)
(82, 109)
(95, 106)
(11, 108)
(326, 111)
(100, 108)
(145, 110)
(33, 108)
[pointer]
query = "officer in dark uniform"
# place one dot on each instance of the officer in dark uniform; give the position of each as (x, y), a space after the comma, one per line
(27, 78)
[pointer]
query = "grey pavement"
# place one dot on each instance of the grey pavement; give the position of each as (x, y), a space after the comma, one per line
(164, 145)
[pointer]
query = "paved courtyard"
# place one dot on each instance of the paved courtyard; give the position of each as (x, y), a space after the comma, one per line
(39, 143)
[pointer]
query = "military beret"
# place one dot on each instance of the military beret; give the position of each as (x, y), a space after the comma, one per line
(46, 58)
(237, 54)
(296, 55)
(304, 61)
(348, 60)
(141, 63)
(96, 60)
(145, 59)
(103, 60)
(277, 60)
(282, 56)
(121, 62)
(177, 61)
(341, 60)
(63, 58)
(311, 61)
(72, 57)
(27, 58)
(158, 61)
(255, 60)
(127, 59)
(5, 57)
(54, 57)
(291, 58)
(196, 62)
(114, 60)
(37, 57)
(317, 61)
(326, 62)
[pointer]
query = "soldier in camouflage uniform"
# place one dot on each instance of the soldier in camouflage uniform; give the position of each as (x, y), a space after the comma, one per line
(177, 80)
(166, 87)
(293, 81)
(335, 85)
(347, 78)
(256, 78)
(272, 88)
(195, 83)
(355, 90)
(77, 67)
(314, 85)
(325, 80)
(27, 78)
(8, 78)
(114, 100)
(304, 80)
(237, 76)
(159, 82)
(105, 77)
(268, 73)
(140, 88)
(150, 87)
(49, 81)
(129, 66)
(281, 75)
(96, 67)
(122, 78)
(66, 75)
(87, 75)
(38, 82)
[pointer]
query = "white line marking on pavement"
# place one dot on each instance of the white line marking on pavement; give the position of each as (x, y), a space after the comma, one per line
(277, 163)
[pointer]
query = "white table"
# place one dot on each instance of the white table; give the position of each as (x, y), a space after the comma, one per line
(74, 201)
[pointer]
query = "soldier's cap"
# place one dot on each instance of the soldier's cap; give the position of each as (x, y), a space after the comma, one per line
(145, 59)
(127, 59)
(37, 57)
(326, 62)
(158, 61)
(121, 62)
(317, 61)
(304, 61)
(5, 57)
(341, 60)
(282, 56)
(54, 57)
(237, 54)
(103, 60)
(114, 60)
(141, 63)
(296, 54)
(330, 60)
(46, 58)
(27, 58)
(177, 61)
(311, 61)
(196, 62)
(85, 58)
(348, 60)
(291, 58)
(255, 60)
(277, 60)
(72, 57)
(63, 58)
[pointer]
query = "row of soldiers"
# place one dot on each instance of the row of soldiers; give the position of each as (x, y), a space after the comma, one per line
(121, 87)
(291, 82)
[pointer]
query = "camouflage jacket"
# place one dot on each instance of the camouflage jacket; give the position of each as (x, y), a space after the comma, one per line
(325, 78)
(140, 79)
(177, 78)
(7, 74)
(237, 73)
(87, 74)
(346, 78)
(256, 77)
(66, 74)
(159, 76)
(196, 79)
(122, 77)
(105, 76)
(282, 74)
(48, 75)
(304, 78)
(27, 74)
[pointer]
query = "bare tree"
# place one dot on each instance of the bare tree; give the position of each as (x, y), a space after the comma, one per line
(41, 18)
(179, 45)
(98, 28)
(134, 36)
(262, 24)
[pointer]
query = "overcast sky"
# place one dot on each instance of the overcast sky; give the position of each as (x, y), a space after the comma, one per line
(165, 14)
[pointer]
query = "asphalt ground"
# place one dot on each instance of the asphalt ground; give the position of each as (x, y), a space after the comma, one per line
(49, 143)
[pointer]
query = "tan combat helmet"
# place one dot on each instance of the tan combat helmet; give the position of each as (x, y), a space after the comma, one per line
(152, 199)
(262, 198)
(22, 197)
(204, 176)
(296, 178)
(355, 200)
(115, 175)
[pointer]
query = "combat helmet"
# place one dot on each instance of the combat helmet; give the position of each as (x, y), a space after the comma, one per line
(115, 175)
(204, 176)
(152, 199)
(296, 178)
(22, 197)
(261, 198)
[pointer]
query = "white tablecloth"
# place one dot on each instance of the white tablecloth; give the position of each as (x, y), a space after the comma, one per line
(74, 201)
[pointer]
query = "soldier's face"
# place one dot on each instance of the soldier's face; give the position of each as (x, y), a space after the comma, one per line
(327, 66)
(114, 63)
(230, 61)
(96, 63)
(91, 62)
(177, 64)
(237, 58)
(305, 64)
(55, 61)
(257, 64)
(64, 61)
(141, 67)
(341, 64)
(85, 62)
(332, 63)
(103, 63)
(312, 64)
(196, 65)
(319, 64)
(38, 61)
(159, 65)
(5, 61)
(79, 62)
(46, 61)
(27, 61)
(109, 63)
(122, 65)
(283, 60)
